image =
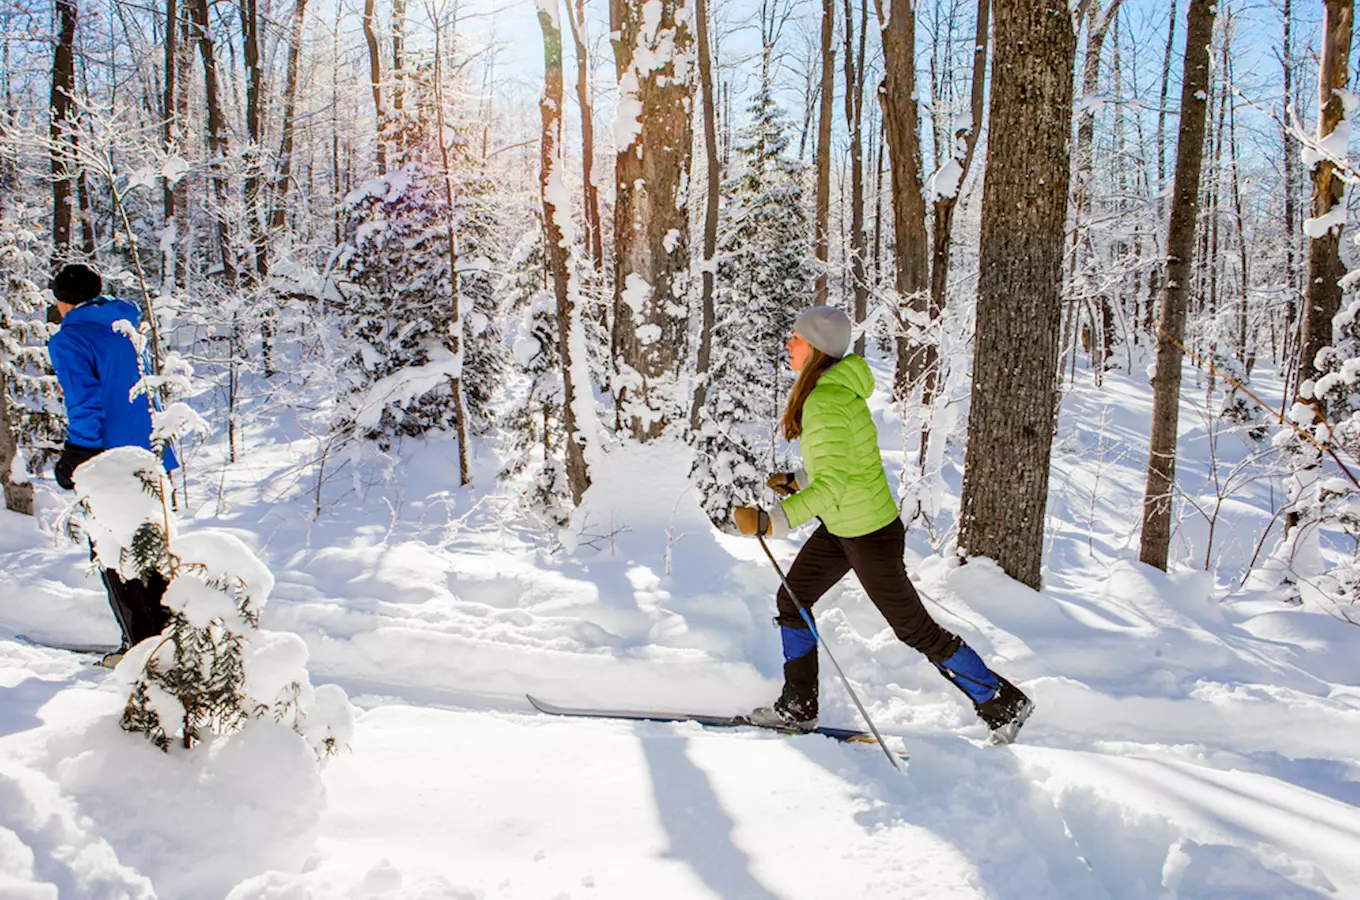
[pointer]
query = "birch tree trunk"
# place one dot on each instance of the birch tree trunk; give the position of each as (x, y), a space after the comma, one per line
(1019, 308)
(1155, 543)
(651, 215)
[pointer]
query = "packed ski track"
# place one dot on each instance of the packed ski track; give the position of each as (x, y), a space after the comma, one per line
(1192, 739)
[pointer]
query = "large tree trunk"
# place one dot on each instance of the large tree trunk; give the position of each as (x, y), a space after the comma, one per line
(713, 180)
(1155, 543)
(854, 119)
(594, 229)
(822, 243)
(651, 217)
(1322, 294)
(217, 138)
(375, 82)
(1019, 306)
(61, 131)
(897, 95)
(553, 191)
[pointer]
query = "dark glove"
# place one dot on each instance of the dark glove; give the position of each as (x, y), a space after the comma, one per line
(785, 484)
(72, 455)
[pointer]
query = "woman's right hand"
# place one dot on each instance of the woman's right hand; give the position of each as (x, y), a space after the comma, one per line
(785, 484)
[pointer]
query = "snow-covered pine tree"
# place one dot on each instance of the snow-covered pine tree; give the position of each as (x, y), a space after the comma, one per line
(398, 294)
(213, 669)
(31, 420)
(764, 279)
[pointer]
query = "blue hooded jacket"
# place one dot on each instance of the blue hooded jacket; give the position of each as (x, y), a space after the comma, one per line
(97, 368)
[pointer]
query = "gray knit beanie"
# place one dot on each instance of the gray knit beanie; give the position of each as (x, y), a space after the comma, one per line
(826, 328)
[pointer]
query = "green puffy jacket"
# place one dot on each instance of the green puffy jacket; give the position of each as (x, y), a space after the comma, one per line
(846, 487)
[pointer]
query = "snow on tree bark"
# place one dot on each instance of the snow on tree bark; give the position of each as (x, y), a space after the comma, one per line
(652, 130)
(557, 224)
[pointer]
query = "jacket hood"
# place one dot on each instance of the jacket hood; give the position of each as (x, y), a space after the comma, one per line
(103, 311)
(851, 373)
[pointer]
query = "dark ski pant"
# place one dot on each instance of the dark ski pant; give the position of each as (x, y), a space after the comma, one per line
(877, 560)
(136, 604)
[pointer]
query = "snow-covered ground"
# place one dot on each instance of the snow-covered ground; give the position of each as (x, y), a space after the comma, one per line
(1191, 740)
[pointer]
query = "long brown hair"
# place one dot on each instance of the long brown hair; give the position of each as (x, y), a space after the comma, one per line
(817, 364)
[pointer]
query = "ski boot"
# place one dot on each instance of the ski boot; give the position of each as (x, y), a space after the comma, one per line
(786, 714)
(1005, 713)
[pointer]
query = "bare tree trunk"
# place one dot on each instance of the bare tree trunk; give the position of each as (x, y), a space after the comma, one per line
(18, 497)
(1322, 293)
(651, 217)
(1246, 353)
(1291, 215)
(553, 190)
(1161, 106)
(457, 330)
(255, 212)
(61, 131)
(1019, 309)
(822, 244)
(1155, 544)
(713, 181)
(217, 138)
(594, 228)
(398, 55)
(945, 206)
(854, 120)
(283, 181)
(1097, 26)
(897, 96)
(375, 82)
(168, 115)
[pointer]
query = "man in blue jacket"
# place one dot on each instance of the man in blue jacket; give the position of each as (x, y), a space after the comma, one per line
(97, 368)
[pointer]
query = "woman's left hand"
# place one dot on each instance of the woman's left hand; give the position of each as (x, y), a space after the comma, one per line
(753, 520)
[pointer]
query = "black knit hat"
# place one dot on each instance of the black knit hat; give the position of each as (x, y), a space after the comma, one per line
(77, 283)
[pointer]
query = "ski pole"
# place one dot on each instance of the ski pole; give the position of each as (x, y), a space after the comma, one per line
(807, 617)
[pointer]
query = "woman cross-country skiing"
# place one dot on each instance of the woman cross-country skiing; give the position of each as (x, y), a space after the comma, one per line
(843, 484)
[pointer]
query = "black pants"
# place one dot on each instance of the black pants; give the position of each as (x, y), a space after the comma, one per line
(136, 604)
(877, 560)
